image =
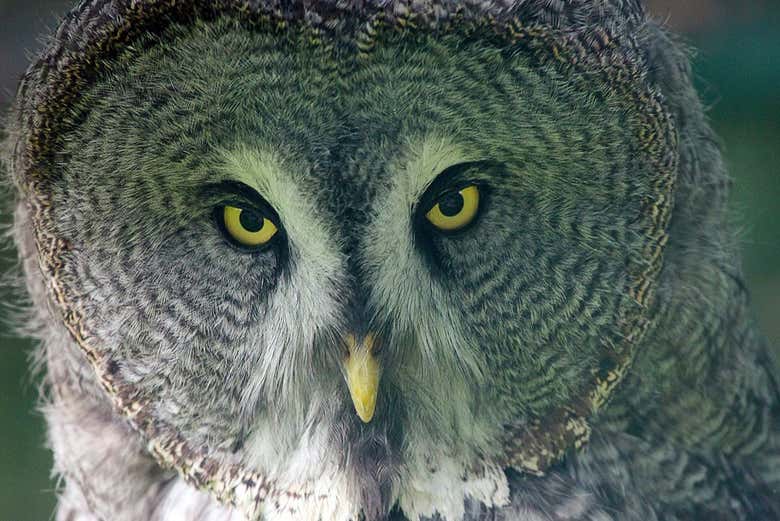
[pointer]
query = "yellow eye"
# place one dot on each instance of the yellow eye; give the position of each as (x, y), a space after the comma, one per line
(455, 210)
(248, 227)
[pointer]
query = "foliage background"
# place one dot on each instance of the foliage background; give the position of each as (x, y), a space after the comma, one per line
(737, 65)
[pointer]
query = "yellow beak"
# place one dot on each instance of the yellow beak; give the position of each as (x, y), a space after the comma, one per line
(362, 373)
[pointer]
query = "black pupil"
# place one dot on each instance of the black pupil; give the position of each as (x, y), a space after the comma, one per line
(451, 204)
(251, 221)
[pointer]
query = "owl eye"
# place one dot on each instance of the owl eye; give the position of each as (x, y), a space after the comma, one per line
(249, 228)
(455, 210)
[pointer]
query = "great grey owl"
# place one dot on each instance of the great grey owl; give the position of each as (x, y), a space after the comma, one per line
(395, 259)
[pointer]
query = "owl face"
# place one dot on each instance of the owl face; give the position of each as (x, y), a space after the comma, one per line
(282, 242)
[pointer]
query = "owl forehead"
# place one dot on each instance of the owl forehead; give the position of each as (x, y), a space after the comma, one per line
(342, 129)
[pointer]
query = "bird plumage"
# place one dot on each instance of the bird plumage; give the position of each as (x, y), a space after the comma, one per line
(596, 298)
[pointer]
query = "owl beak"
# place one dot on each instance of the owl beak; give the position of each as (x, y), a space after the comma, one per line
(362, 374)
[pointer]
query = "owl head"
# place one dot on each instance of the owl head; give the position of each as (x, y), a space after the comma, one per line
(291, 237)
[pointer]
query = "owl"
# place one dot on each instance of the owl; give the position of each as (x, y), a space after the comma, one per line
(424, 260)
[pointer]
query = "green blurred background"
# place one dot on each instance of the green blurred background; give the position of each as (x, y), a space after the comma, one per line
(737, 68)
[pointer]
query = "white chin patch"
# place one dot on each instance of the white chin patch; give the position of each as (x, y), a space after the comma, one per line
(327, 499)
(185, 503)
(314, 485)
(443, 490)
(324, 490)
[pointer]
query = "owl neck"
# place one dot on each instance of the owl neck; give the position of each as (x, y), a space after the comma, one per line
(704, 377)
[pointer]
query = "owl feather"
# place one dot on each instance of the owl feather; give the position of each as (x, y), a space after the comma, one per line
(428, 260)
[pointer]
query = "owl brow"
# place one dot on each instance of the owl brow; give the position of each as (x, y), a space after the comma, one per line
(457, 176)
(236, 193)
